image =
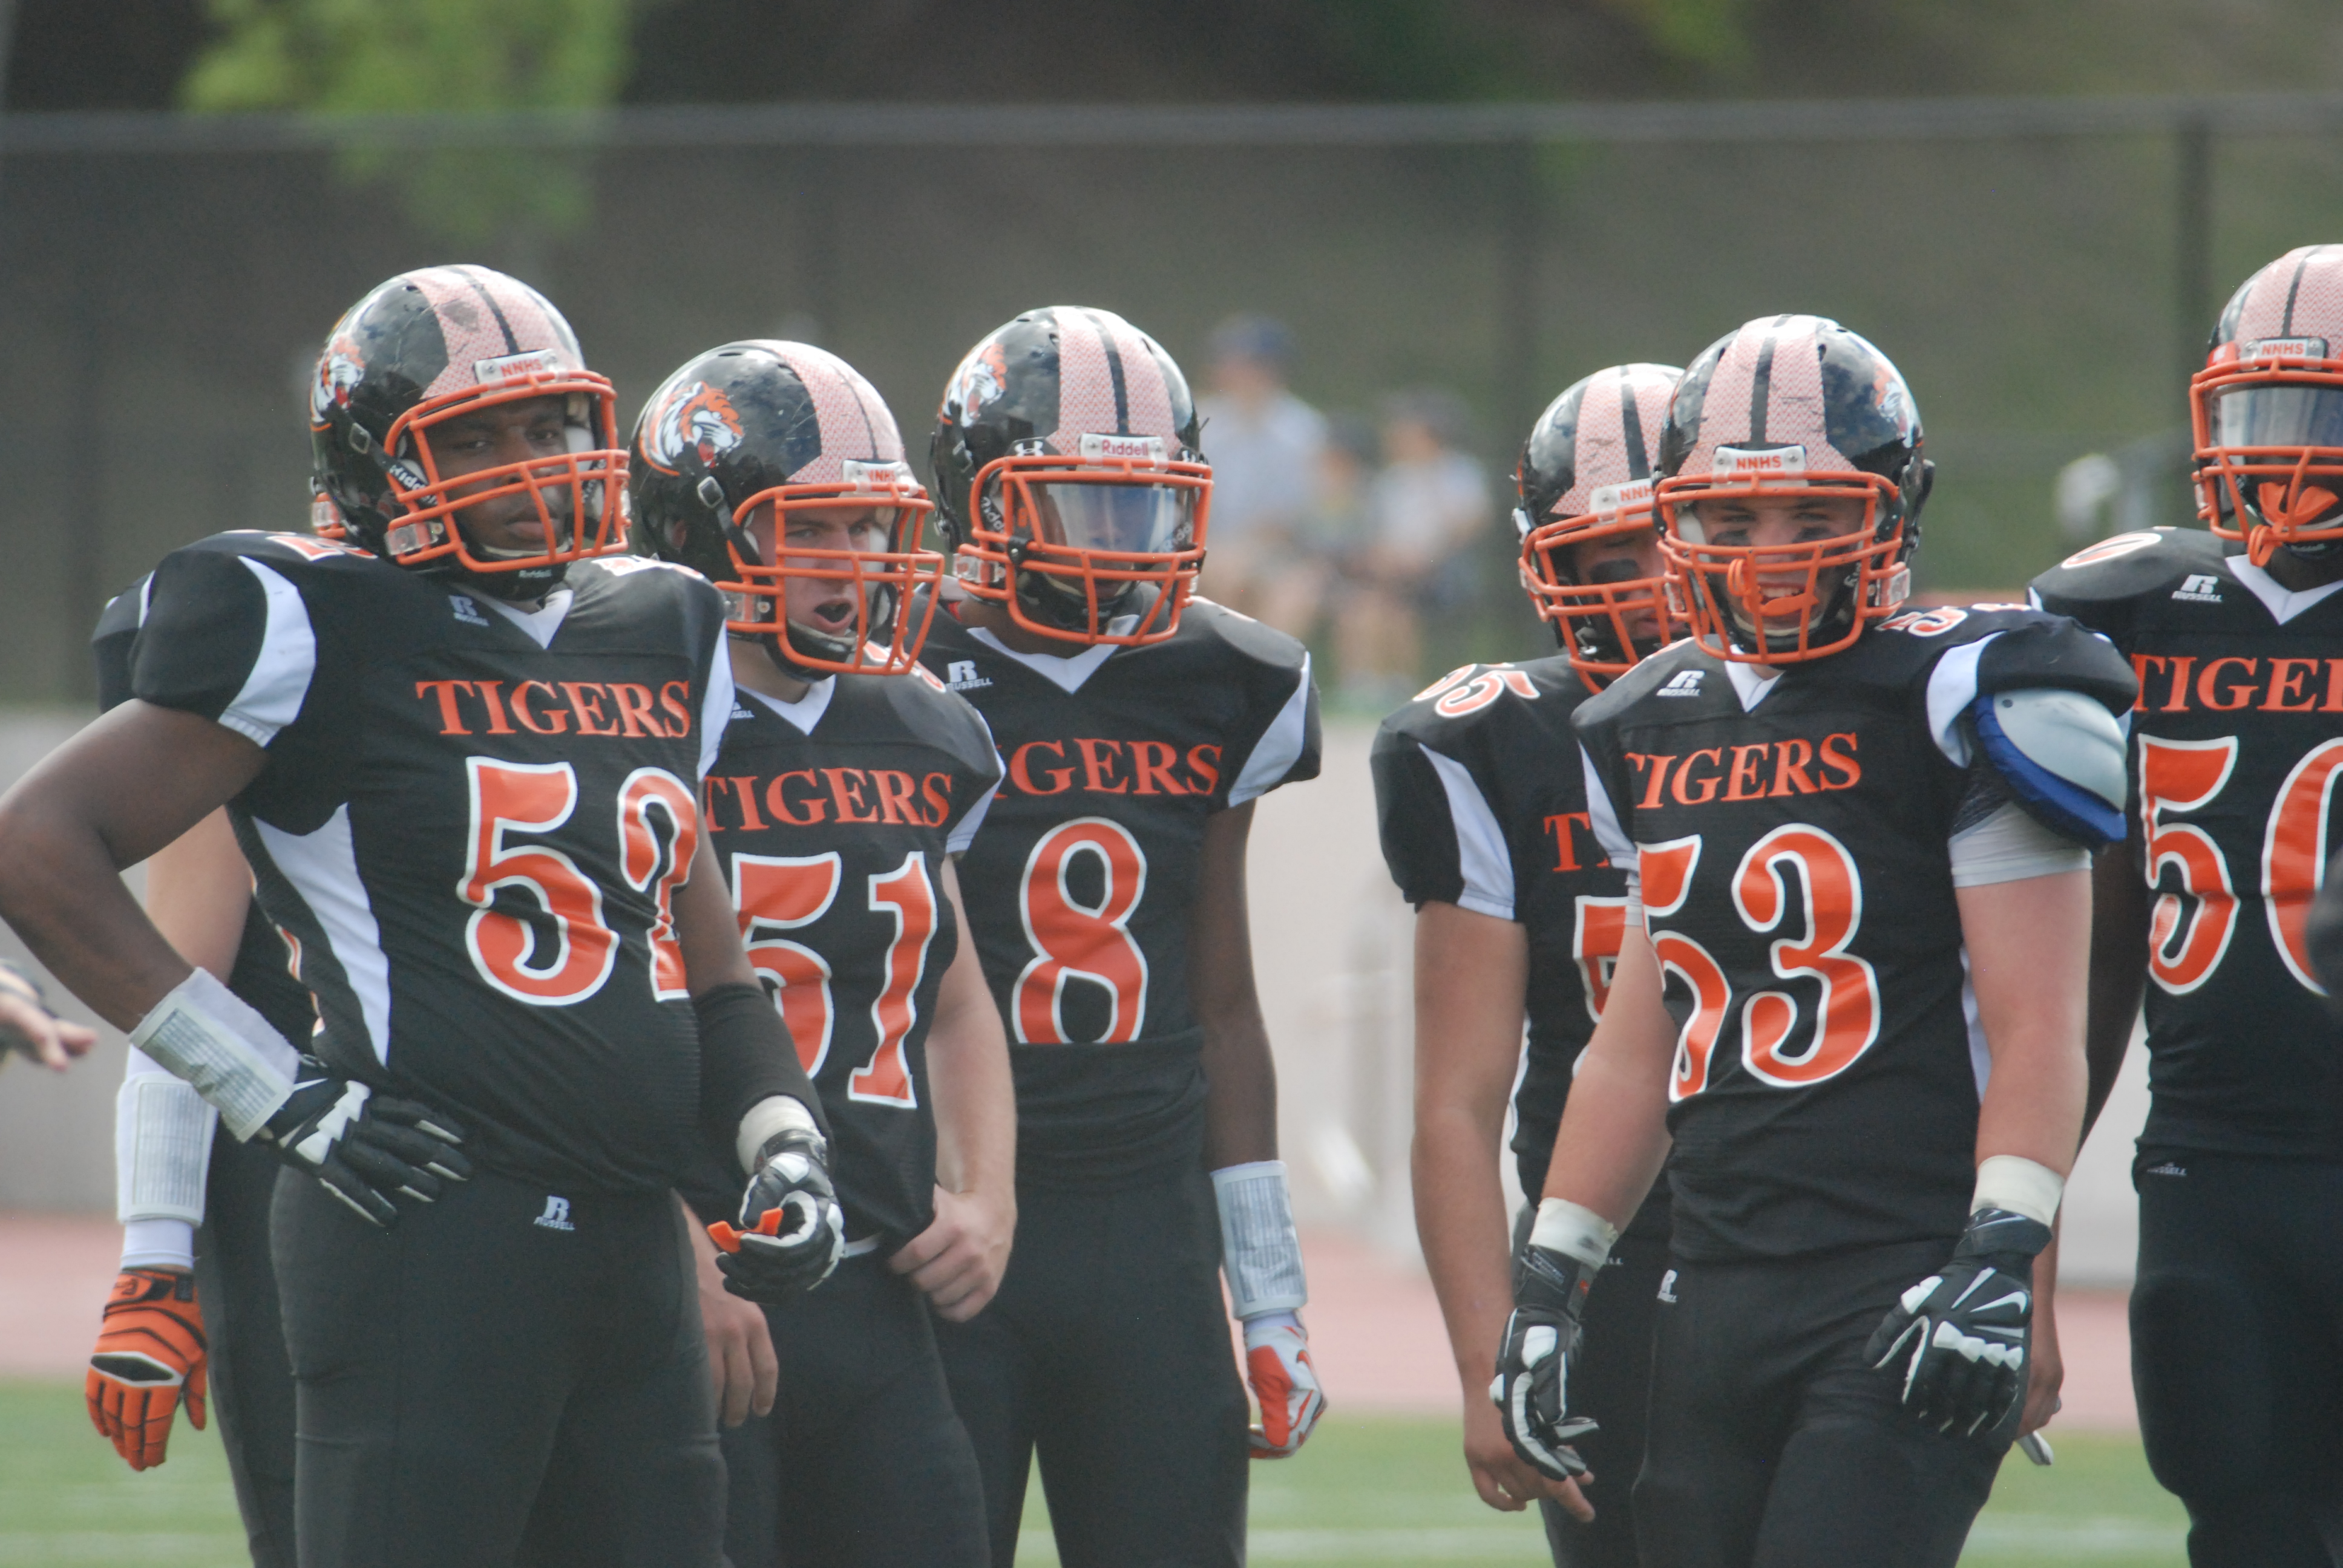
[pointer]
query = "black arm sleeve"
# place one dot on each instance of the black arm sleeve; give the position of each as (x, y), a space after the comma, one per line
(745, 1056)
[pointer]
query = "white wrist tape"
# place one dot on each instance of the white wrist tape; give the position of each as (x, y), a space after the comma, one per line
(766, 1119)
(162, 1146)
(2014, 1182)
(158, 1244)
(1260, 1250)
(203, 1033)
(1574, 1231)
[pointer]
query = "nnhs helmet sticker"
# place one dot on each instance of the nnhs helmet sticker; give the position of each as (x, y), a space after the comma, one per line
(518, 366)
(1610, 500)
(1742, 463)
(2286, 349)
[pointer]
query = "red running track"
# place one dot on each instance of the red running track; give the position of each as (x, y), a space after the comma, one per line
(1375, 1325)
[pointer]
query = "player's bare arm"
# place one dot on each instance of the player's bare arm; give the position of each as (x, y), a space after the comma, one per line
(1240, 1100)
(959, 1259)
(1613, 1141)
(2119, 905)
(1614, 1131)
(2028, 949)
(129, 784)
(1471, 974)
(197, 890)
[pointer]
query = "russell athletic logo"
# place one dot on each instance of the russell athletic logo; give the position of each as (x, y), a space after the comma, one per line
(1668, 1287)
(1684, 683)
(2199, 588)
(961, 675)
(556, 1215)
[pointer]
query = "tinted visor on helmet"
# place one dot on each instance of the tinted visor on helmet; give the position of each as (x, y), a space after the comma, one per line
(1081, 537)
(845, 562)
(2269, 453)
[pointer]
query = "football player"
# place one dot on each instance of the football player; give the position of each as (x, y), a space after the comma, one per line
(464, 764)
(2237, 1337)
(1851, 988)
(1107, 899)
(193, 1315)
(1482, 811)
(849, 781)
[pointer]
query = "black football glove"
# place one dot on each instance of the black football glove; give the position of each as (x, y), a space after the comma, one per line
(792, 1232)
(365, 1147)
(1958, 1339)
(1532, 1388)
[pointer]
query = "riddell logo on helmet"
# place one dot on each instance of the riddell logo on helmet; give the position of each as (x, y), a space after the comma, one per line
(1736, 461)
(516, 366)
(1147, 449)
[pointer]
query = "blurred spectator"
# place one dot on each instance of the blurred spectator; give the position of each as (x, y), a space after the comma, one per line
(1263, 442)
(1424, 513)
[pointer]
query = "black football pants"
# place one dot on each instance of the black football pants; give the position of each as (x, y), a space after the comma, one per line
(862, 1464)
(1107, 1352)
(507, 1376)
(2236, 1353)
(251, 1382)
(1612, 1383)
(1774, 1444)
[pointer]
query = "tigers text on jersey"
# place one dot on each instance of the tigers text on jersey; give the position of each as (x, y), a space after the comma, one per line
(831, 816)
(1480, 802)
(1792, 861)
(1080, 887)
(471, 822)
(2236, 751)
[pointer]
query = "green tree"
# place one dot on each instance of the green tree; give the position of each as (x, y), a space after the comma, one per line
(377, 56)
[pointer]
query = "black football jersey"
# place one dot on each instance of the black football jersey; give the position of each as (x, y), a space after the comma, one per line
(831, 816)
(2237, 752)
(1079, 889)
(471, 823)
(1792, 860)
(1480, 802)
(264, 975)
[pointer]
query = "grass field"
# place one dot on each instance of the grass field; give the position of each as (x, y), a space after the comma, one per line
(1380, 1491)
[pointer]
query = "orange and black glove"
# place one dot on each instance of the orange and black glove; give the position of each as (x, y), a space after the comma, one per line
(150, 1353)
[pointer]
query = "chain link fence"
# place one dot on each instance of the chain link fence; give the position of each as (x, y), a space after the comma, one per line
(2043, 270)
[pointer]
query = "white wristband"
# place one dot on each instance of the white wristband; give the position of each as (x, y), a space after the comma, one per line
(203, 1032)
(766, 1119)
(1574, 1231)
(1260, 1250)
(158, 1244)
(162, 1145)
(2014, 1182)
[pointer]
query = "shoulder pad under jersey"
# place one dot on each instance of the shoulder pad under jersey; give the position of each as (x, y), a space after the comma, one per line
(1263, 644)
(2096, 584)
(1478, 694)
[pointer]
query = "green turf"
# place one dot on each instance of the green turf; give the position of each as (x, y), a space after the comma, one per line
(1385, 1492)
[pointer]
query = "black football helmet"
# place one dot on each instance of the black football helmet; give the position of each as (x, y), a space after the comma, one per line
(2267, 410)
(431, 345)
(1068, 478)
(744, 436)
(1788, 408)
(1584, 476)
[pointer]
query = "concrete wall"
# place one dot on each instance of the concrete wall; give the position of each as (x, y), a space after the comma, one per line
(1330, 944)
